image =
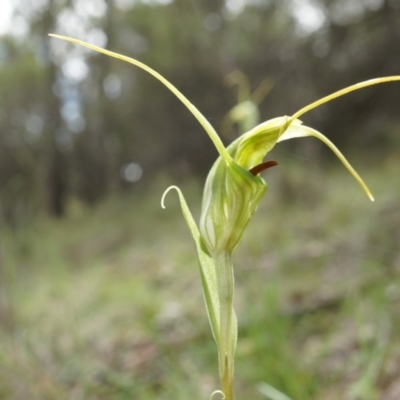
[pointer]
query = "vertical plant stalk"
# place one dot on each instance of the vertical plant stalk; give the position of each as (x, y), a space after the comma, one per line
(228, 322)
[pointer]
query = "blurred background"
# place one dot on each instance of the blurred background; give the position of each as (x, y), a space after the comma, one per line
(91, 278)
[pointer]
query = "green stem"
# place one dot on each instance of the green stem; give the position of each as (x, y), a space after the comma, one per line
(228, 323)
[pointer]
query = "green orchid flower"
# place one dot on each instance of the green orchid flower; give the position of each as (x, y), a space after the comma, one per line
(245, 113)
(232, 193)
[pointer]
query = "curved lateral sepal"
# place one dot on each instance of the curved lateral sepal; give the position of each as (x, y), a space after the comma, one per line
(342, 92)
(296, 130)
(207, 267)
(196, 113)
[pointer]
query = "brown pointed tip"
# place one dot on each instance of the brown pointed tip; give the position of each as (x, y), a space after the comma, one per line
(261, 167)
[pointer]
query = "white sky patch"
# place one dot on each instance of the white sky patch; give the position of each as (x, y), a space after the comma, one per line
(345, 13)
(235, 6)
(92, 8)
(128, 4)
(6, 10)
(69, 23)
(71, 114)
(112, 86)
(75, 68)
(97, 37)
(309, 16)
(131, 172)
(155, 2)
(124, 4)
(41, 5)
(19, 27)
(374, 4)
(349, 11)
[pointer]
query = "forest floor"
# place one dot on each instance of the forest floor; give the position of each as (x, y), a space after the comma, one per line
(107, 303)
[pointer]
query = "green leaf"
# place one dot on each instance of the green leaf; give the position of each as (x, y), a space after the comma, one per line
(207, 267)
(217, 281)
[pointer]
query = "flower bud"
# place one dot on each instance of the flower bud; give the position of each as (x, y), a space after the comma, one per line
(232, 194)
(230, 198)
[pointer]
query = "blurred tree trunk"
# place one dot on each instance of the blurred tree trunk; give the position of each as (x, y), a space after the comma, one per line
(110, 135)
(6, 305)
(56, 171)
(99, 150)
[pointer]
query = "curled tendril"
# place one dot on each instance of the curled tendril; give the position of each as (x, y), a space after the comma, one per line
(173, 187)
(217, 392)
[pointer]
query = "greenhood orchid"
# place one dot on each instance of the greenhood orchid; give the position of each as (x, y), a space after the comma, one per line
(245, 113)
(232, 193)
